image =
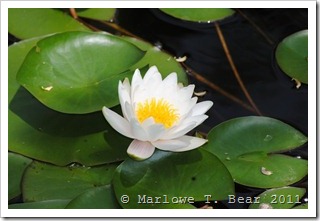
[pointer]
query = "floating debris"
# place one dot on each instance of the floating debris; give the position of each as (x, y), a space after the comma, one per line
(200, 93)
(265, 171)
(47, 88)
(298, 83)
(181, 59)
(158, 45)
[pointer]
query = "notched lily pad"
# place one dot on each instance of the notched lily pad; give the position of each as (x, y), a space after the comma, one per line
(47, 182)
(167, 180)
(247, 146)
(78, 72)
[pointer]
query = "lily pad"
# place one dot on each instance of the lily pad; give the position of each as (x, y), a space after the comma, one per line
(173, 178)
(33, 22)
(165, 63)
(47, 182)
(292, 56)
(50, 136)
(95, 198)
(279, 198)
(199, 14)
(16, 167)
(47, 204)
(247, 146)
(302, 206)
(104, 14)
(78, 72)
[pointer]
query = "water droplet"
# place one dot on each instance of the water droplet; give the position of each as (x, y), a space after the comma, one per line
(265, 206)
(226, 153)
(299, 157)
(267, 138)
(265, 171)
(305, 199)
(228, 158)
(158, 44)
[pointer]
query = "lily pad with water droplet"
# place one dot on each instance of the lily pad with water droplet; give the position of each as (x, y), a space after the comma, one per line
(292, 56)
(248, 147)
(78, 72)
(166, 176)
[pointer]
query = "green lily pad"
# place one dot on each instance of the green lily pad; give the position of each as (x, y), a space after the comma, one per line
(32, 22)
(50, 136)
(292, 56)
(168, 176)
(95, 198)
(47, 182)
(16, 167)
(199, 14)
(302, 206)
(47, 204)
(78, 72)
(165, 63)
(247, 146)
(280, 198)
(104, 14)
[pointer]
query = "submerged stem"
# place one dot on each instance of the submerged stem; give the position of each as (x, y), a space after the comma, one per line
(234, 69)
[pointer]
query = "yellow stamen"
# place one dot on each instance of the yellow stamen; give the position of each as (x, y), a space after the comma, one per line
(161, 111)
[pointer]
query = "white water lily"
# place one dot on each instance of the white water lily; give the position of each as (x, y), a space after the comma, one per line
(157, 114)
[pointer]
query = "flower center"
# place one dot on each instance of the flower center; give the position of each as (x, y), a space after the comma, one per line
(160, 110)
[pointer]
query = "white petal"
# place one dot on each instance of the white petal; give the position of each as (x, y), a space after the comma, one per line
(178, 131)
(186, 107)
(170, 144)
(171, 79)
(140, 150)
(152, 71)
(117, 122)
(155, 131)
(129, 111)
(195, 119)
(136, 80)
(152, 81)
(124, 95)
(193, 142)
(186, 92)
(138, 131)
(201, 108)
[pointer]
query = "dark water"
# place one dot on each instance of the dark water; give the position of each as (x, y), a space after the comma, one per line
(252, 36)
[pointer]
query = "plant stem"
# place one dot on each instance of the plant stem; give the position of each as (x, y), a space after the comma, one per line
(234, 69)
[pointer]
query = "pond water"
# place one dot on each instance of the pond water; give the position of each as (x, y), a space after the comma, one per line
(251, 36)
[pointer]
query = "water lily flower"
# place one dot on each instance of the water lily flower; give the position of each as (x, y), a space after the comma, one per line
(157, 114)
